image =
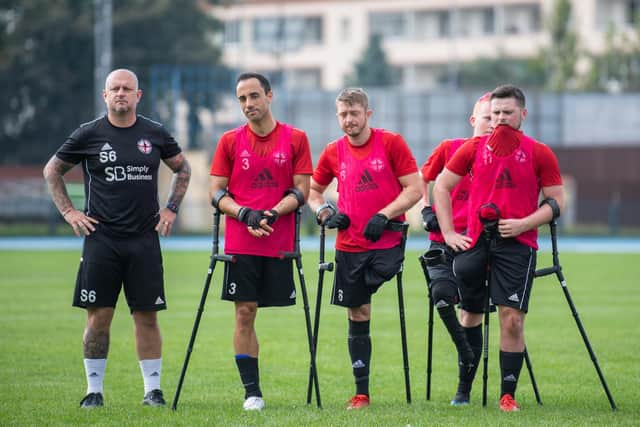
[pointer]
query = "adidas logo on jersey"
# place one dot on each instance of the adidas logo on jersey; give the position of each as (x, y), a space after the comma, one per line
(264, 180)
(106, 147)
(366, 182)
(504, 180)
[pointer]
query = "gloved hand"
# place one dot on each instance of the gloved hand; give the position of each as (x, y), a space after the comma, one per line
(251, 217)
(273, 218)
(338, 220)
(375, 227)
(429, 219)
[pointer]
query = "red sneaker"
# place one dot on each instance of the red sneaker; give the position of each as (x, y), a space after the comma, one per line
(358, 401)
(508, 404)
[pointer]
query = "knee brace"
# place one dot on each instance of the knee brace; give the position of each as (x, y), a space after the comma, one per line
(444, 293)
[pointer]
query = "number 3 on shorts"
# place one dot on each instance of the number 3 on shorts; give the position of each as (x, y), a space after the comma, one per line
(87, 296)
(232, 288)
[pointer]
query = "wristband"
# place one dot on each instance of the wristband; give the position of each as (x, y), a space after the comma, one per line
(172, 207)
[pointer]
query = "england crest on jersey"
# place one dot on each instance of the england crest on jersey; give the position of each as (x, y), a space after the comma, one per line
(144, 146)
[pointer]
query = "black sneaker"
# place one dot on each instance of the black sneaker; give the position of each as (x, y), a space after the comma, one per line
(92, 400)
(154, 398)
(460, 399)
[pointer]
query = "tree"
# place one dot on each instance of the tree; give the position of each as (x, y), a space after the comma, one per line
(487, 73)
(46, 62)
(373, 69)
(562, 53)
(618, 68)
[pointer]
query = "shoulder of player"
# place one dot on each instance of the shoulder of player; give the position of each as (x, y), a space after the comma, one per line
(152, 124)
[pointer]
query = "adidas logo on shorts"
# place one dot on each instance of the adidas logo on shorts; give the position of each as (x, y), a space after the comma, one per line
(159, 301)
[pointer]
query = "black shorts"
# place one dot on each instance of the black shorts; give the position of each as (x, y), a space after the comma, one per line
(512, 272)
(108, 263)
(359, 274)
(267, 281)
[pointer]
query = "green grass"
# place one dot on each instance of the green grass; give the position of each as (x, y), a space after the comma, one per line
(42, 376)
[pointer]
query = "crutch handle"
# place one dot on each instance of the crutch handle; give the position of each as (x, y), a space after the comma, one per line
(547, 271)
(398, 226)
(224, 258)
(325, 266)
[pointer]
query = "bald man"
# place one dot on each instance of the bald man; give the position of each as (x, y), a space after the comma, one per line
(121, 221)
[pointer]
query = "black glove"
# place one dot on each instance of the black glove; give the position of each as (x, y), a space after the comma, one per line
(273, 218)
(375, 227)
(338, 220)
(429, 219)
(251, 217)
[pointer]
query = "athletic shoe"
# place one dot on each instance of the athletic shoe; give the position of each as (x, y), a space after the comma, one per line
(460, 399)
(92, 400)
(358, 401)
(253, 403)
(154, 398)
(508, 403)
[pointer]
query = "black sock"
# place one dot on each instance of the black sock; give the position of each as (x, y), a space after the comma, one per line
(360, 351)
(248, 368)
(466, 376)
(510, 366)
(458, 336)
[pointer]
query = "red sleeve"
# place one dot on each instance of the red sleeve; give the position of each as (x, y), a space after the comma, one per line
(402, 160)
(327, 167)
(463, 158)
(546, 165)
(222, 162)
(436, 161)
(302, 164)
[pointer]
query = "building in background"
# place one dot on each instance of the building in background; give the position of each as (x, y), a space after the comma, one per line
(314, 44)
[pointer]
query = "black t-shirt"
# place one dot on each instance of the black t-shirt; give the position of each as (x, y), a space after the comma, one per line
(120, 167)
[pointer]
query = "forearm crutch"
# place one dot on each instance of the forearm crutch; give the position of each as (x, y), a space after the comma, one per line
(402, 227)
(297, 256)
(215, 257)
(557, 269)
(430, 258)
(322, 267)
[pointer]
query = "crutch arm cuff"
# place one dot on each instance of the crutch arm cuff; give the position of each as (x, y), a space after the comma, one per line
(220, 194)
(299, 196)
(555, 208)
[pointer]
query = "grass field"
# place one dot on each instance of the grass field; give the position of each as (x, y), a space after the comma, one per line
(42, 377)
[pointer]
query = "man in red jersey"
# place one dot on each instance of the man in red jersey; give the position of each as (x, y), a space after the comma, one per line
(509, 170)
(377, 181)
(259, 176)
(444, 287)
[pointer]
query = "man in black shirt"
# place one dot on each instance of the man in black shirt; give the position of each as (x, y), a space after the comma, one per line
(120, 155)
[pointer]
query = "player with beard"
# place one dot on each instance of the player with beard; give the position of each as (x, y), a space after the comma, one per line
(378, 181)
(510, 170)
(259, 176)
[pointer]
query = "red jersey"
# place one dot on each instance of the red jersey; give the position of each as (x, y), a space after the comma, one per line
(225, 153)
(460, 194)
(388, 156)
(508, 169)
(260, 174)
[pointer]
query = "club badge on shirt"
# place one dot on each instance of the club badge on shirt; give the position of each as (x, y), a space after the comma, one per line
(144, 146)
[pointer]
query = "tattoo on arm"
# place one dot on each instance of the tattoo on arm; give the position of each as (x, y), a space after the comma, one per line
(53, 173)
(95, 344)
(180, 182)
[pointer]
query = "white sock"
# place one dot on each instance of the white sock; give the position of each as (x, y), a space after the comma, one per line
(94, 370)
(151, 370)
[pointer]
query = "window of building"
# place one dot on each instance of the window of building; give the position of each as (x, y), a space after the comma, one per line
(477, 21)
(290, 33)
(232, 31)
(388, 25)
(617, 13)
(306, 78)
(522, 18)
(433, 24)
